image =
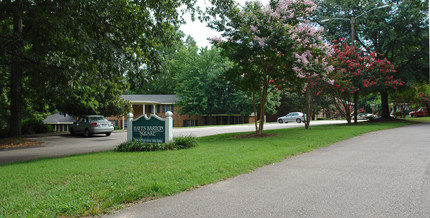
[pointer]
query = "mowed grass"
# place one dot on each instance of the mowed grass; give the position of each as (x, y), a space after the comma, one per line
(98, 183)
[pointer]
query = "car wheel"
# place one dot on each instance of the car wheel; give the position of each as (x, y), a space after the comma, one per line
(87, 133)
(298, 120)
(108, 134)
(280, 121)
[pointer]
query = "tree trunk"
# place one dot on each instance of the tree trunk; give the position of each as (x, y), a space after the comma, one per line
(16, 77)
(255, 109)
(384, 105)
(263, 108)
(355, 106)
(308, 108)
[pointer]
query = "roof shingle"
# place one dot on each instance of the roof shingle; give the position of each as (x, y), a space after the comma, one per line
(157, 99)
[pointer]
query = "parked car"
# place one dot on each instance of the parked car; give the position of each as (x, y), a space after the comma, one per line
(422, 112)
(92, 124)
(292, 117)
(365, 116)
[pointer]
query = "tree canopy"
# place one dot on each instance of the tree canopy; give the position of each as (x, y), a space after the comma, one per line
(258, 39)
(72, 55)
(396, 30)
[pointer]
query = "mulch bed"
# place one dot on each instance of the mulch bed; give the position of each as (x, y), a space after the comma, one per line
(17, 143)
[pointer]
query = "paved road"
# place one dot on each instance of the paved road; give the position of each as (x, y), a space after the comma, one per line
(379, 174)
(64, 144)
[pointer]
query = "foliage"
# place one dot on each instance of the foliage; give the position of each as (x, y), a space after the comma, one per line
(184, 142)
(32, 126)
(311, 64)
(4, 112)
(322, 118)
(200, 84)
(348, 64)
(414, 97)
(423, 92)
(72, 55)
(178, 143)
(358, 71)
(273, 101)
(158, 77)
(97, 183)
(398, 32)
(258, 40)
(195, 75)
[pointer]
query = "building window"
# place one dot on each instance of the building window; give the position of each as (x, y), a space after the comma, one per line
(64, 127)
(167, 107)
(148, 109)
(188, 123)
(114, 122)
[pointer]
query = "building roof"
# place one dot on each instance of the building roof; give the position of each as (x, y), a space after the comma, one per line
(151, 99)
(59, 119)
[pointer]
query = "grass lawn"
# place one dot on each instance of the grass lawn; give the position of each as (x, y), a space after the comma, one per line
(97, 183)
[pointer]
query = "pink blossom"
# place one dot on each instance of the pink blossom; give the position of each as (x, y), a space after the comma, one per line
(300, 75)
(261, 40)
(330, 69)
(291, 16)
(216, 39)
(296, 69)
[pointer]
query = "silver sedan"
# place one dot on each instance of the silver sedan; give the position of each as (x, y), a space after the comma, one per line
(92, 124)
(292, 117)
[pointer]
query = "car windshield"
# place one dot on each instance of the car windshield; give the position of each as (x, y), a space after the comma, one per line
(98, 118)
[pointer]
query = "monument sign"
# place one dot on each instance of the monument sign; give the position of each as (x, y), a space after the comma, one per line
(150, 130)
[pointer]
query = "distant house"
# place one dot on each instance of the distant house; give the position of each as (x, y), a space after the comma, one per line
(160, 104)
(60, 123)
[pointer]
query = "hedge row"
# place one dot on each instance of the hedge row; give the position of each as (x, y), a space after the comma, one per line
(178, 143)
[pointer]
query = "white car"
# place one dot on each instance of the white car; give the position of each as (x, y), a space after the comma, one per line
(365, 116)
(92, 124)
(292, 117)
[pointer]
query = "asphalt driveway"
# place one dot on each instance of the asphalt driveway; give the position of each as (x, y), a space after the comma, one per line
(57, 145)
(378, 174)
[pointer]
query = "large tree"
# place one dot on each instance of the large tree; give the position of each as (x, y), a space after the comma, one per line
(200, 84)
(398, 32)
(257, 38)
(311, 66)
(349, 67)
(72, 55)
(159, 76)
(357, 71)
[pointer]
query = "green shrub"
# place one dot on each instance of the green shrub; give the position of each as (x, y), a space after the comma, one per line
(4, 132)
(50, 128)
(32, 126)
(399, 114)
(178, 143)
(322, 118)
(184, 142)
(117, 128)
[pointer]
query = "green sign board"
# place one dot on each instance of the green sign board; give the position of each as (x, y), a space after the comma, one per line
(150, 130)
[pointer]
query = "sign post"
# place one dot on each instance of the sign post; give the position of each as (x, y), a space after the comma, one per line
(169, 126)
(150, 130)
(129, 126)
